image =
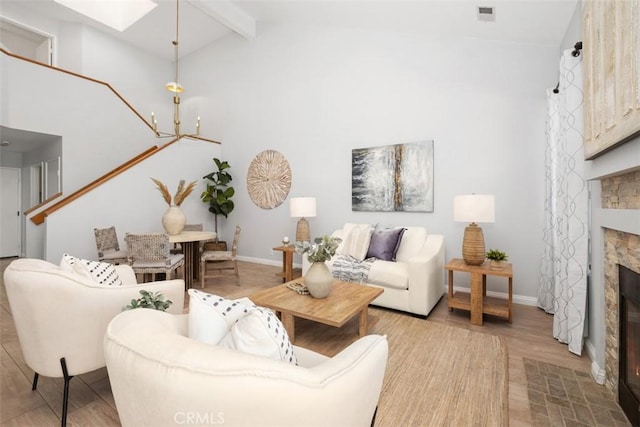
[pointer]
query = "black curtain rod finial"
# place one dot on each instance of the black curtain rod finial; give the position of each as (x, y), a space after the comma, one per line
(576, 49)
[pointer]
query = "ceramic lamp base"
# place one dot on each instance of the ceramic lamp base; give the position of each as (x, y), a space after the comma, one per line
(302, 231)
(473, 251)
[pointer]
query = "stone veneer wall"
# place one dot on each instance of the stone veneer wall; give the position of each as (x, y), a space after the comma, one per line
(618, 192)
(621, 191)
(620, 248)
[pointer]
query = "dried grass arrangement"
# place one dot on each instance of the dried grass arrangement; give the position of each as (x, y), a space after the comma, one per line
(181, 193)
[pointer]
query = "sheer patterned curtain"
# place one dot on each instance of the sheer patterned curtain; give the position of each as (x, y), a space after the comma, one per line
(562, 289)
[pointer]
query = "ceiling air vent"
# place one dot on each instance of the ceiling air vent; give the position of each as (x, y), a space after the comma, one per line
(486, 13)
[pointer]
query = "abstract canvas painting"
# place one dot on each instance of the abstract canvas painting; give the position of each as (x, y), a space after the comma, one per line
(393, 178)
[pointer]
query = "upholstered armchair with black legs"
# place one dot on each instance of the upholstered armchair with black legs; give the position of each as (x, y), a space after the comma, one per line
(159, 377)
(61, 315)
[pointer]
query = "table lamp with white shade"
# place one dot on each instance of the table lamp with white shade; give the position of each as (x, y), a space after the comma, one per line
(302, 207)
(474, 208)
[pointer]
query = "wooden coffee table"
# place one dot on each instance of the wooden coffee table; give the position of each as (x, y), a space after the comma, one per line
(345, 301)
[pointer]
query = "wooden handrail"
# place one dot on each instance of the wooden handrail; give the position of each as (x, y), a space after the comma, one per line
(40, 217)
(41, 204)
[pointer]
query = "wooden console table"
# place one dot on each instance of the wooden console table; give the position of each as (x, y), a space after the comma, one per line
(477, 302)
(287, 262)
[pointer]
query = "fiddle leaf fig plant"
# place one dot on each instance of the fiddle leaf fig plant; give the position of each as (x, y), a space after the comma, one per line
(148, 299)
(218, 193)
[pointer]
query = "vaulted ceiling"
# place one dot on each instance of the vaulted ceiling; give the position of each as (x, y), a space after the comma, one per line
(204, 21)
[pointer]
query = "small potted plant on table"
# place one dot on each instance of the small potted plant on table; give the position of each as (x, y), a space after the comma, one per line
(496, 258)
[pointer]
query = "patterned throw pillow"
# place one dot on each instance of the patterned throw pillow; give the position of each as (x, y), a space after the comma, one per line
(102, 273)
(212, 316)
(356, 242)
(260, 332)
(238, 325)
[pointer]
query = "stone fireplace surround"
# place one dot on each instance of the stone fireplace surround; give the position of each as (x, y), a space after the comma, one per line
(620, 247)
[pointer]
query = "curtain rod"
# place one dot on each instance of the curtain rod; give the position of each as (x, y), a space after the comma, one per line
(575, 53)
(576, 49)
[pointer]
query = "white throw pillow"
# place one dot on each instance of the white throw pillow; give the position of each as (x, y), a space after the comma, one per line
(102, 273)
(211, 316)
(260, 332)
(356, 241)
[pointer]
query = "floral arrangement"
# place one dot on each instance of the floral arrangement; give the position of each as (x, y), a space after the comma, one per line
(181, 193)
(321, 250)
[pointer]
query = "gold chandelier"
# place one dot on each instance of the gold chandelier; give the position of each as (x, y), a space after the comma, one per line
(176, 88)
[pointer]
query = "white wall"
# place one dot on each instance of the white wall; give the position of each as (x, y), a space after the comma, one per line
(131, 202)
(137, 75)
(98, 131)
(314, 94)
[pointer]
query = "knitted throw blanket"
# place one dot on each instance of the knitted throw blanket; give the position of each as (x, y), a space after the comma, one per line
(348, 269)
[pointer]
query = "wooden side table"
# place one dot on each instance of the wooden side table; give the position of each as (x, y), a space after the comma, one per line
(287, 262)
(477, 302)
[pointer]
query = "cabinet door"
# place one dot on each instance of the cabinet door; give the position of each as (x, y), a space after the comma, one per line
(611, 73)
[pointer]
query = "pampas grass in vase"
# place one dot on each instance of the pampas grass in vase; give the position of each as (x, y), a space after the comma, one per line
(174, 219)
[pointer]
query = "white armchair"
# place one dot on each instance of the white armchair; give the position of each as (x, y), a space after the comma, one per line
(161, 377)
(61, 316)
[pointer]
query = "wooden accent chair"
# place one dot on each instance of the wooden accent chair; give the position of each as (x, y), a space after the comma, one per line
(215, 258)
(149, 253)
(108, 247)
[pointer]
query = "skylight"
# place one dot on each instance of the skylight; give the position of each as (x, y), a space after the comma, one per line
(117, 14)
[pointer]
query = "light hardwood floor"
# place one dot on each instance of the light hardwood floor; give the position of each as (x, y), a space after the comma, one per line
(91, 402)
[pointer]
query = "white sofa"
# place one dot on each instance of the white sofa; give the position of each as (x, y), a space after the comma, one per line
(414, 283)
(160, 377)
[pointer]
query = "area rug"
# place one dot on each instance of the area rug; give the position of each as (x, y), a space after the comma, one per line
(561, 396)
(455, 377)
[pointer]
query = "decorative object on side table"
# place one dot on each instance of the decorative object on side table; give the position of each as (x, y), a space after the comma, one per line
(318, 279)
(497, 259)
(174, 219)
(218, 193)
(154, 300)
(473, 208)
(302, 207)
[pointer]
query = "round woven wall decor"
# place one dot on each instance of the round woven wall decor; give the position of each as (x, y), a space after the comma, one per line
(269, 179)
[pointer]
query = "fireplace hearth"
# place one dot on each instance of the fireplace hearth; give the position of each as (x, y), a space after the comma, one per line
(629, 349)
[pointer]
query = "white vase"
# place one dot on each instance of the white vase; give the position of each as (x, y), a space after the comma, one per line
(173, 220)
(496, 265)
(318, 280)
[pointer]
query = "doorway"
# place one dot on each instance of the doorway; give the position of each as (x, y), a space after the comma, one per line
(10, 230)
(26, 42)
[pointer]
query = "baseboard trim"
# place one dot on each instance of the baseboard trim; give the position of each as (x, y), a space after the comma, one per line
(517, 299)
(599, 374)
(261, 261)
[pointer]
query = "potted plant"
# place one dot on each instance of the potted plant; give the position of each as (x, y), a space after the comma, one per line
(218, 193)
(154, 300)
(318, 279)
(496, 258)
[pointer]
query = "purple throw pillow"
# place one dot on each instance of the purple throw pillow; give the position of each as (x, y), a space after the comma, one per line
(385, 243)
